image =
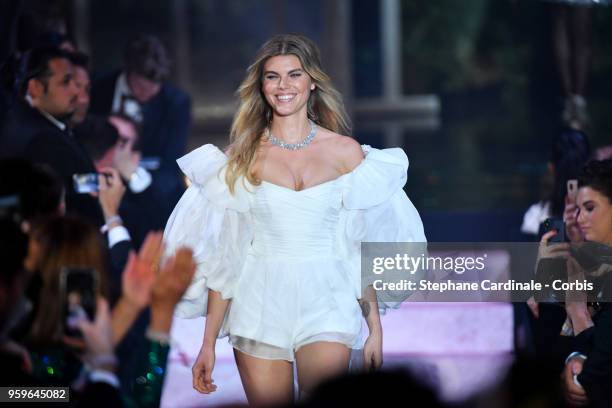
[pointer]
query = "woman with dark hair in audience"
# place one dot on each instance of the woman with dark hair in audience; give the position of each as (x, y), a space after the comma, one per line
(588, 371)
(570, 151)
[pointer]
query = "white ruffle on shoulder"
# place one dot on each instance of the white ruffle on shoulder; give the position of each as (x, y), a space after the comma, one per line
(214, 223)
(376, 209)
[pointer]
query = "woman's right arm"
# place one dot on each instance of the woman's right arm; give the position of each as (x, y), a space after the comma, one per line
(203, 367)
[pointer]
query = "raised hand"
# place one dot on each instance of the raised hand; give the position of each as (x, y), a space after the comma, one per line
(138, 278)
(174, 279)
(570, 217)
(556, 250)
(169, 287)
(126, 160)
(98, 336)
(111, 191)
(141, 271)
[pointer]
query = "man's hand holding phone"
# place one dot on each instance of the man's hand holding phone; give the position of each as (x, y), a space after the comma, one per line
(111, 192)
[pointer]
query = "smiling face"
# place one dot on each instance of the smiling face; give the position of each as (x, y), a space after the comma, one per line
(286, 86)
(595, 217)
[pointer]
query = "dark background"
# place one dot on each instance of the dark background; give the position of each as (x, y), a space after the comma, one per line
(480, 94)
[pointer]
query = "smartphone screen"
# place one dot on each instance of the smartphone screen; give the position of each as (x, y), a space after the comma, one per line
(85, 183)
(78, 291)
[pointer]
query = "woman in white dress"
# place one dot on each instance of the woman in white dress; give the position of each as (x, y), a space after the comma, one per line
(276, 224)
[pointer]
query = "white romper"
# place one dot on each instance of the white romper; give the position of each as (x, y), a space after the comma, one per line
(289, 260)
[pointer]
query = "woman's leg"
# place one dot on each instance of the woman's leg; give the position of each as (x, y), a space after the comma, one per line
(319, 361)
(265, 382)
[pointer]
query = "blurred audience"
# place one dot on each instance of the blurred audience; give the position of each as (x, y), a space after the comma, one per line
(111, 143)
(570, 151)
(144, 208)
(80, 64)
(13, 279)
(88, 363)
(141, 91)
(603, 153)
(139, 179)
(39, 190)
(37, 128)
(41, 194)
(17, 366)
(588, 370)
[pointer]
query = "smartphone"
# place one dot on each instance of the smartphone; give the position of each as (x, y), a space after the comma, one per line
(86, 183)
(572, 190)
(557, 225)
(79, 288)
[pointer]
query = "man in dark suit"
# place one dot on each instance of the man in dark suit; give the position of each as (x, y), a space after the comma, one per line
(141, 92)
(36, 128)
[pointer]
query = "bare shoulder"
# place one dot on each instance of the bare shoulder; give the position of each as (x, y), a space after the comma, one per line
(346, 150)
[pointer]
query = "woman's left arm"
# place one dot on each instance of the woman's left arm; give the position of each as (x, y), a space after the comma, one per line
(372, 350)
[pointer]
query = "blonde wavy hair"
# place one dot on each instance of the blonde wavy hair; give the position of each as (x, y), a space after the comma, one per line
(254, 115)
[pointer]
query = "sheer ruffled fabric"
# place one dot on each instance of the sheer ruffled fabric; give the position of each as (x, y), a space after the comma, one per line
(376, 209)
(214, 223)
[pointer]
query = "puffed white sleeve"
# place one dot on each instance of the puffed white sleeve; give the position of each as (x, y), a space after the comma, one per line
(214, 223)
(378, 210)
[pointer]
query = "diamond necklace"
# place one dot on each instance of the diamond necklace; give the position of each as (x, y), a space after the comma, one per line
(294, 146)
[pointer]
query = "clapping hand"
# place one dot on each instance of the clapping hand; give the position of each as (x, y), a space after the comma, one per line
(140, 272)
(173, 279)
